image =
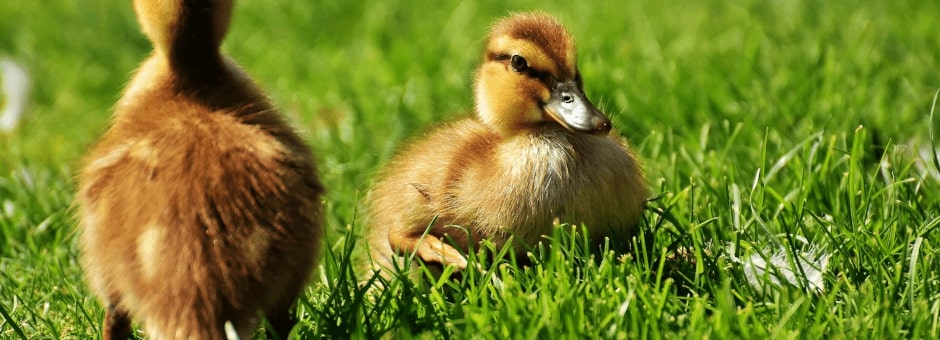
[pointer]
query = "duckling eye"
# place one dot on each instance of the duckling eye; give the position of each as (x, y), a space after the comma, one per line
(518, 63)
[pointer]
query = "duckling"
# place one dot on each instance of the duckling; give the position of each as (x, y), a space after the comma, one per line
(537, 151)
(199, 207)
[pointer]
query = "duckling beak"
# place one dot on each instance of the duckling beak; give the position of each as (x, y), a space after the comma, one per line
(570, 107)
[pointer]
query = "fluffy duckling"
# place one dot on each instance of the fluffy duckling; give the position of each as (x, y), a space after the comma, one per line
(538, 150)
(200, 206)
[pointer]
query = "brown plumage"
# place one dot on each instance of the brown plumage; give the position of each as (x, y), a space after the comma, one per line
(199, 206)
(537, 150)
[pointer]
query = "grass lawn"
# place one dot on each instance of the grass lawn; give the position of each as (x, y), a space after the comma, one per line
(792, 131)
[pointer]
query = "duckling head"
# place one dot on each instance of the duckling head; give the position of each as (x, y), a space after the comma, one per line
(184, 25)
(529, 78)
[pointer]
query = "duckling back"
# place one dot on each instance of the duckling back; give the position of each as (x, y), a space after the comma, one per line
(200, 205)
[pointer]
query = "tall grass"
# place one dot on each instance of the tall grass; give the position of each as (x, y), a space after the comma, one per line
(769, 129)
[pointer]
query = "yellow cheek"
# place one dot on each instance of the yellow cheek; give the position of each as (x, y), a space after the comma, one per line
(534, 91)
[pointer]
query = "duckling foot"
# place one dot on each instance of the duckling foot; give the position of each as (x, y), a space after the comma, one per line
(431, 249)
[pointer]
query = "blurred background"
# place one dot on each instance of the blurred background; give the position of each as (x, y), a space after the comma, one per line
(702, 89)
(359, 77)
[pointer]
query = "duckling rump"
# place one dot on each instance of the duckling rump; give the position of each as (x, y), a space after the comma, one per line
(200, 207)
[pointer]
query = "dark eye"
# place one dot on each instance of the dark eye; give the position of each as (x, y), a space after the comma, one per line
(518, 63)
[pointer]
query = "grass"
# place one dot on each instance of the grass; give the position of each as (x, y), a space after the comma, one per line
(766, 127)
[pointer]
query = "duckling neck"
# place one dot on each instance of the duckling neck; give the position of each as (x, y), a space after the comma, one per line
(545, 153)
(187, 33)
(196, 45)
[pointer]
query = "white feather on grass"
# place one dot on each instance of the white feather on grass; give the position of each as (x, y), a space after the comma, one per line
(778, 264)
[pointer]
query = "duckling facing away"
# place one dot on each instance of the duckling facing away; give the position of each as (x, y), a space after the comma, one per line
(200, 206)
(537, 150)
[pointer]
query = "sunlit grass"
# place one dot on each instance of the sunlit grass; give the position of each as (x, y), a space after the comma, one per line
(766, 127)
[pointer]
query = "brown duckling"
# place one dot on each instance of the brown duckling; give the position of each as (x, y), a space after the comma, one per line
(537, 151)
(200, 206)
